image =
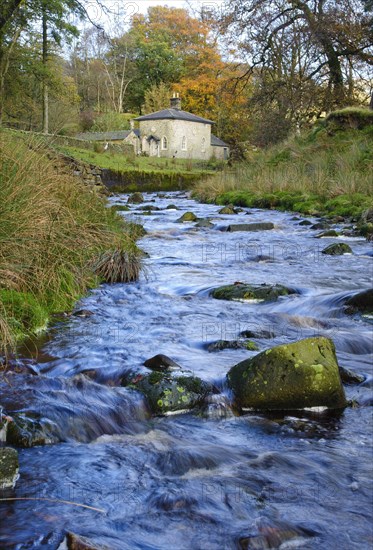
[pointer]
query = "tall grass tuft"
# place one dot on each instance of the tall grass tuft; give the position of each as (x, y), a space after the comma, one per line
(51, 231)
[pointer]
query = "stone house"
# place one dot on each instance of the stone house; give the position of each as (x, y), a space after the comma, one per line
(170, 133)
(173, 133)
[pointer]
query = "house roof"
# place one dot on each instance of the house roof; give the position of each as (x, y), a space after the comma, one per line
(217, 142)
(174, 114)
(106, 136)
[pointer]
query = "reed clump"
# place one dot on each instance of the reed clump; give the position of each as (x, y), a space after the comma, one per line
(52, 230)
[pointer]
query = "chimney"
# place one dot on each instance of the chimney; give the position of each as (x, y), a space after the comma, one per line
(176, 102)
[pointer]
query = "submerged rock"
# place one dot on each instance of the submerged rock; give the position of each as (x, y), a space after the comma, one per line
(165, 393)
(9, 468)
(363, 302)
(305, 222)
(187, 217)
(243, 291)
(135, 198)
(220, 345)
(293, 376)
(172, 207)
(204, 223)
(78, 542)
(161, 362)
(320, 225)
(337, 249)
(350, 377)
(260, 226)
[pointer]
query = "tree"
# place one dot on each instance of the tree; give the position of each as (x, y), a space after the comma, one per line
(339, 32)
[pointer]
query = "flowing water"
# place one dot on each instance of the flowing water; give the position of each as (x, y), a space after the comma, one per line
(197, 481)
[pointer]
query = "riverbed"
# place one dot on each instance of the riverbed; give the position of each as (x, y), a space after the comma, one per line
(208, 479)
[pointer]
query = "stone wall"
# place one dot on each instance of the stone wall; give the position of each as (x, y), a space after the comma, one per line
(175, 130)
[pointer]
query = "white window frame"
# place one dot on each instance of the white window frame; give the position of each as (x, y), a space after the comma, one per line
(184, 144)
(164, 143)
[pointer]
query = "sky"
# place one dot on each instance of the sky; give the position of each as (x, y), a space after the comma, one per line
(125, 9)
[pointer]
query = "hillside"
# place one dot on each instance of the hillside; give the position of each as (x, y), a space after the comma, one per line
(326, 171)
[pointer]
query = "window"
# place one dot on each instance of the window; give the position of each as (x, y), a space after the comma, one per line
(164, 143)
(203, 148)
(184, 144)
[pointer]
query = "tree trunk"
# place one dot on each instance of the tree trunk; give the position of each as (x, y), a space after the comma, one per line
(45, 100)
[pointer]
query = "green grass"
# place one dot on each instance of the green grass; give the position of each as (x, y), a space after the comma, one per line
(54, 232)
(122, 163)
(321, 172)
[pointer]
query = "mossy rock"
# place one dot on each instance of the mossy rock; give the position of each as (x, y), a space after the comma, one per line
(220, 345)
(293, 376)
(135, 198)
(165, 393)
(328, 233)
(337, 249)
(187, 217)
(320, 225)
(120, 207)
(363, 302)
(229, 209)
(305, 222)
(172, 207)
(9, 468)
(28, 431)
(243, 291)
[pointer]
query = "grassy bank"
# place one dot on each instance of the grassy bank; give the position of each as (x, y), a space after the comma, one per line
(57, 239)
(327, 171)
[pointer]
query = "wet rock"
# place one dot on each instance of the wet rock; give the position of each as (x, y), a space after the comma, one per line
(305, 222)
(229, 209)
(243, 291)
(165, 393)
(78, 542)
(204, 223)
(276, 535)
(148, 208)
(350, 377)
(187, 217)
(171, 207)
(363, 302)
(320, 225)
(295, 219)
(82, 313)
(367, 216)
(28, 431)
(328, 233)
(265, 334)
(135, 198)
(220, 345)
(120, 207)
(9, 468)
(161, 362)
(337, 249)
(261, 226)
(293, 376)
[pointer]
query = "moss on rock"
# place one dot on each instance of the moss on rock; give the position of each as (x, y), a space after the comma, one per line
(9, 468)
(293, 376)
(243, 291)
(187, 217)
(337, 249)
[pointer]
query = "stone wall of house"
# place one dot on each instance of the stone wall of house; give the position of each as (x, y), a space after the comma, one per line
(218, 152)
(174, 131)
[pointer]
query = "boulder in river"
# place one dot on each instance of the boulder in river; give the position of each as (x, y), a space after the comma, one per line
(290, 376)
(220, 345)
(229, 209)
(337, 249)
(135, 198)
(320, 225)
(78, 542)
(363, 302)
(187, 217)
(9, 468)
(350, 377)
(161, 363)
(305, 222)
(243, 291)
(260, 226)
(167, 393)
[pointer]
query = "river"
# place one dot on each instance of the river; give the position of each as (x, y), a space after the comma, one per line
(210, 480)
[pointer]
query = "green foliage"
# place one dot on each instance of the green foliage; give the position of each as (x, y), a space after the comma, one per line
(51, 231)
